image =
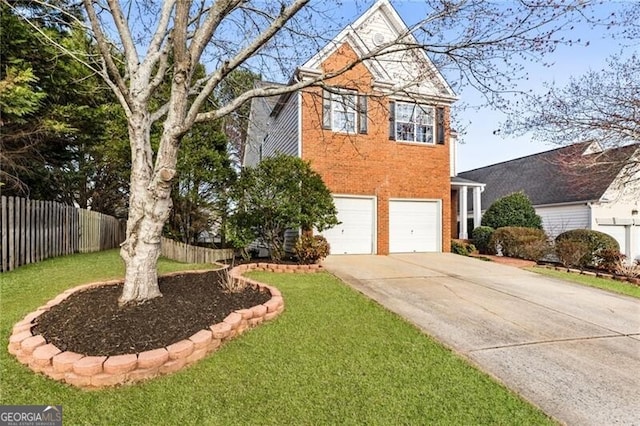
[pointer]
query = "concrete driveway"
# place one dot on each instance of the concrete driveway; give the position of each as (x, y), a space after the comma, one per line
(571, 350)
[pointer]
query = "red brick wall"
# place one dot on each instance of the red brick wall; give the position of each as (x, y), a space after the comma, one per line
(372, 164)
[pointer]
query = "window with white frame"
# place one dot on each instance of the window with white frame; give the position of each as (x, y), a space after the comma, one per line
(344, 111)
(414, 123)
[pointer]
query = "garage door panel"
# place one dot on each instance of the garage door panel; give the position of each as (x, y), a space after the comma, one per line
(414, 226)
(354, 234)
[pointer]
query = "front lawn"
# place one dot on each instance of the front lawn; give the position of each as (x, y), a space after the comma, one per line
(619, 287)
(333, 357)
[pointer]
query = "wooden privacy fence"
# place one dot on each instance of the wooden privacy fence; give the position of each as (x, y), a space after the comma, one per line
(182, 252)
(33, 230)
(99, 231)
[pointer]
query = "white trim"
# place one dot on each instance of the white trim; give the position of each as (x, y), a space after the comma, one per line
(463, 207)
(469, 184)
(619, 221)
(415, 124)
(299, 99)
(340, 92)
(569, 203)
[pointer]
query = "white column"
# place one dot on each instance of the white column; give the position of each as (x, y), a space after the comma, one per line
(464, 234)
(628, 251)
(477, 206)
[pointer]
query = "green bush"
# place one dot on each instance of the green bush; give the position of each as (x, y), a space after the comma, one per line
(520, 242)
(597, 245)
(481, 236)
(311, 249)
(462, 248)
(512, 210)
(280, 193)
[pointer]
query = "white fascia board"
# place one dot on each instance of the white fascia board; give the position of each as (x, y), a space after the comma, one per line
(570, 203)
(315, 61)
(412, 97)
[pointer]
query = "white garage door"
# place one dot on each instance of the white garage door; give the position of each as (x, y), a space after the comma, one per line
(414, 226)
(354, 235)
(630, 248)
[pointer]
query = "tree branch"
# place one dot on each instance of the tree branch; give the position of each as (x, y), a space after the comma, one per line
(112, 68)
(124, 32)
(242, 56)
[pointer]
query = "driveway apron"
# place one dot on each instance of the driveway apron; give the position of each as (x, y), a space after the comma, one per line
(572, 350)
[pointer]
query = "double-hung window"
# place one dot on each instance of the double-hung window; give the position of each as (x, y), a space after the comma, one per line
(414, 123)
(409, 122)
(344, 111)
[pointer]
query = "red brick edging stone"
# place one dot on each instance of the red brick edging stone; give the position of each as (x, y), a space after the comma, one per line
(598, 274)
(94, 372)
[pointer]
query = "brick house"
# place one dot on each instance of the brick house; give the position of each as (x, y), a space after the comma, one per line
(378, 134)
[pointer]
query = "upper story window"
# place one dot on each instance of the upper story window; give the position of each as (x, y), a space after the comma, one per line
(416, 123)
(344, 111)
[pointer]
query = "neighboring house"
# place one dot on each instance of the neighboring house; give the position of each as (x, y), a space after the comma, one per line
(580, 186)
(378, 135)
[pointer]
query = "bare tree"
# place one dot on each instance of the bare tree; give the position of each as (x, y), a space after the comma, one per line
(143, 43)
(601, 106)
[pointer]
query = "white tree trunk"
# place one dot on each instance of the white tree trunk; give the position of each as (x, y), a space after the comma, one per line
(149, 207)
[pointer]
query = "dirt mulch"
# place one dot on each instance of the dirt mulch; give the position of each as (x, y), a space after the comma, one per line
(90, 322)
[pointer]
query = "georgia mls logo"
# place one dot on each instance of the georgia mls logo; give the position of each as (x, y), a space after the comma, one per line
(30, 415)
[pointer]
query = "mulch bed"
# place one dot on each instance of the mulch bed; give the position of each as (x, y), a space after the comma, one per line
(90, 322)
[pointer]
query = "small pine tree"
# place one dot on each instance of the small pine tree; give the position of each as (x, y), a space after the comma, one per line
(512, 210)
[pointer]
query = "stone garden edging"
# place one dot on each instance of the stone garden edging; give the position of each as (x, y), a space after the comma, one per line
(95, 372)
(598, 274)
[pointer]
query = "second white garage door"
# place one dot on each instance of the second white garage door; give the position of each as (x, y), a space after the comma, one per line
(354, 235)
(414, 226)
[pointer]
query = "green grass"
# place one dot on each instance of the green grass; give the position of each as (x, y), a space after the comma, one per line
(619, 287)
(333, 357)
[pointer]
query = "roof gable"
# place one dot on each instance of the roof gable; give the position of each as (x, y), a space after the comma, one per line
(397, 69)
(574, 173)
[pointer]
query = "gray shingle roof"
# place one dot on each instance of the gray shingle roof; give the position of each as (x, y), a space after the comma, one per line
(561, 175)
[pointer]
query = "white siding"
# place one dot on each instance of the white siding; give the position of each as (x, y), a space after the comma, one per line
(257, 130)
(282, 137)
(636, 242)
(557, 219)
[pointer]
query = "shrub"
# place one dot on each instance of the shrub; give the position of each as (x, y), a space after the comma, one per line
(280, 193)
(520, 242)
(597, 243)
(571, 252)
(311, 249)
(462, 248)
(610, 260)
(481, 236)
(512, 210)
(629, 270)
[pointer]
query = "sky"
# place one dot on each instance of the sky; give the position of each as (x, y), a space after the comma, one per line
(480, 146)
